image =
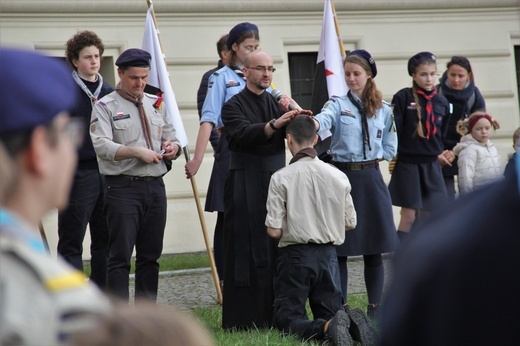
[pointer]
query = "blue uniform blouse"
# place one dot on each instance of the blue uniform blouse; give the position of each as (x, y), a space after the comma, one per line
(342, 118)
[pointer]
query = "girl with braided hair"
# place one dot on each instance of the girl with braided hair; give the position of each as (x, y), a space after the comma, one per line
(421, 117)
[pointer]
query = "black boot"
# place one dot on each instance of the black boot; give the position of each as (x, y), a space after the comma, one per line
(361, 328)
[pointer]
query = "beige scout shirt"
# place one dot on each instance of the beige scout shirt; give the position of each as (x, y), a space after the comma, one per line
(43, 299)
(115, 122)
(310, 201)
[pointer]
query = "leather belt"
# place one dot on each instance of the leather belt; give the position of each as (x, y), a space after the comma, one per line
(136, 178)
(356, 166)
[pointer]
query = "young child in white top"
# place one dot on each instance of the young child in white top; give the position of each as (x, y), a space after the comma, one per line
(479, 162)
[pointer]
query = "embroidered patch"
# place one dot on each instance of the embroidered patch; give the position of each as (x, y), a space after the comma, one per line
(348, 113)
(102, 103)
(158, 104)
(121, 116)
(412, 105)
(379, 134)
(232, 83)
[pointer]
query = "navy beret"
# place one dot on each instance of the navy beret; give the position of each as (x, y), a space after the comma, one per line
(367, 57)
(418, 59)
(238, 30)
(34, 89)
(134, 57)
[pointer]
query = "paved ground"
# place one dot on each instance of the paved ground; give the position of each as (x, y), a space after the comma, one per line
(195, 288)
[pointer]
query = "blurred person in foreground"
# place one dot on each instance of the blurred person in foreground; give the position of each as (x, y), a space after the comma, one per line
(145, 325)
(42, 299)
(458, 283)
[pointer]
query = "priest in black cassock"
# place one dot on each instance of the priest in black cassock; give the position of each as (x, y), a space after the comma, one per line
(255, 127)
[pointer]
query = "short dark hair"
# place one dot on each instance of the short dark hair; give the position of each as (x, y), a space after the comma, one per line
(79, 41)
(222, 45)
(302, 129)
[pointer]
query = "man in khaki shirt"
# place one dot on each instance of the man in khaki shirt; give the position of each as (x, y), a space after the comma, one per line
(309, 207)
(132, 135)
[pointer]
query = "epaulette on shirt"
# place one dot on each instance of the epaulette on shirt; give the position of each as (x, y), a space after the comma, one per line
(106, 99)
(151, 96)
(54, 278)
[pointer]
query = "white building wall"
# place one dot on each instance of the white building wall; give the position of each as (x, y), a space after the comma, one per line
(485, 31)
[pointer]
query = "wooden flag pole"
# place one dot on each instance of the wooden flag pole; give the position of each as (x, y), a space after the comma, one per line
(196, 196)
(338, 32)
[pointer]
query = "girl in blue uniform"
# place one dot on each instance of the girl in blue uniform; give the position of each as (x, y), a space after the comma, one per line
(421, 117)
(363, 132)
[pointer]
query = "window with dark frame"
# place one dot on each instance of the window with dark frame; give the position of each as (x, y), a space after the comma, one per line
(302, 67)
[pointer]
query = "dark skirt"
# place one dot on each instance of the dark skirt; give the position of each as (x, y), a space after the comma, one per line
(375, 231)
(215, 195)
(418, 186)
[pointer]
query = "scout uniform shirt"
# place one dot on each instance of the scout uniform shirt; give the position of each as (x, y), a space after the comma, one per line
(115, 122)
(42, 299)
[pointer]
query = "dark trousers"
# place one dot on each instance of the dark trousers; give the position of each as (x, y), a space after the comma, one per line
(85, 207)
(306, 271)
(136, 213)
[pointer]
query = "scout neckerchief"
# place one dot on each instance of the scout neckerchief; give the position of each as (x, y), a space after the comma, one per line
(303, 153)
(138, 102)
(93, 96)
(239, 72)
(429, 121)
(364, 123)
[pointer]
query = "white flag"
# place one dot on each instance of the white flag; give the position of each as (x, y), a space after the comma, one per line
(159, 77)
(330, 58)
(331, 54)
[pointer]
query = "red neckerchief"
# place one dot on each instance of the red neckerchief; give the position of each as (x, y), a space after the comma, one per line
(430, 119)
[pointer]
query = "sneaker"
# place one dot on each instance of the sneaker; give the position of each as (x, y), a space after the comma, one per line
(338, 330)
(361, 328)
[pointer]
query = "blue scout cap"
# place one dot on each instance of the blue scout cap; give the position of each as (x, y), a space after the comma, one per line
(238, 30)
(367, 57)
(134, 57)
(418, 59)
(34, 89)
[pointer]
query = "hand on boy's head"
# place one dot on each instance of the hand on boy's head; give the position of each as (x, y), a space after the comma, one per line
(305, 111)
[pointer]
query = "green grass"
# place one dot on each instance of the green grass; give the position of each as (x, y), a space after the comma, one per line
(211, 317)
(171, 262)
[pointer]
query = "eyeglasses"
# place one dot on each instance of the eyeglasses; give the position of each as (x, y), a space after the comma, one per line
(269, 69)
(73, 131)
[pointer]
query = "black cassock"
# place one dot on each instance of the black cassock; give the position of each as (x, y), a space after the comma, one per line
(249, 253)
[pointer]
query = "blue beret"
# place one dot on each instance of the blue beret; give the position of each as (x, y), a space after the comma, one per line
(238, 30)
(34, 89)
(367, 57)
(134, 57)
(418, 59)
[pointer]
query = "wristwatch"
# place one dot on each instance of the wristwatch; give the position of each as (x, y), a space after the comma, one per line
(271, 123)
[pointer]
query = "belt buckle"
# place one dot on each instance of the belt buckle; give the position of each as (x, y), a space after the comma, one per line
(356, 166)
